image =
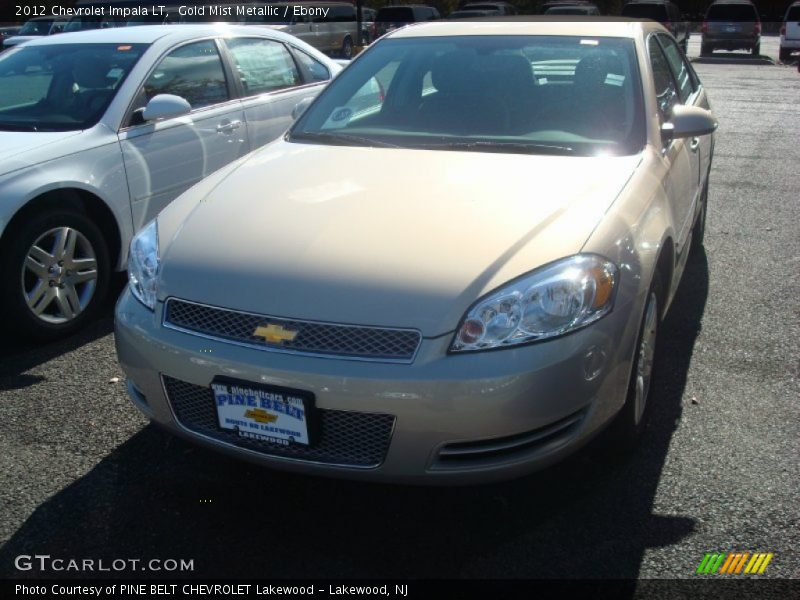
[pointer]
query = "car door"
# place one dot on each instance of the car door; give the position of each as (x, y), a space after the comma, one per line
(690, 93)
(272, 84)
(164, 158)
(681, 179)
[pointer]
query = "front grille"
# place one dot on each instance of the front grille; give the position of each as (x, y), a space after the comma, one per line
(498, 450)
(352, 341)
(346, 438)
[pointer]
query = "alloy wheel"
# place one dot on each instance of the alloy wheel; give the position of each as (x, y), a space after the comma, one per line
(59, 275)
(644, 364)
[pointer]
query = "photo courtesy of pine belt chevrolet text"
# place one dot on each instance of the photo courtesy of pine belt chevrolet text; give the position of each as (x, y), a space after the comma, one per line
(453, 267)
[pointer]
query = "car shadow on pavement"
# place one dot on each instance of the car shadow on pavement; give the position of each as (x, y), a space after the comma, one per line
(591, 516)
(18, 355)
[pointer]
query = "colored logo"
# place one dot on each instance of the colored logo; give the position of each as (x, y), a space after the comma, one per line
(274, 334)
(259, 415)
(734, 563)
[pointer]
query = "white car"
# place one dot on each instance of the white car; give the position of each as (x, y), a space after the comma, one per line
(790, 32)
(99, 130)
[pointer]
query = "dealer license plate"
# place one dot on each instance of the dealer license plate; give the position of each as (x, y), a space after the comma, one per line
(262, 412)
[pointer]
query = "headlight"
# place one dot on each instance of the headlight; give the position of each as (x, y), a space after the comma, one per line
(143, 265)
(551, 301)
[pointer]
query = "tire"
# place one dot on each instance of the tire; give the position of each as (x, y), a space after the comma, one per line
(756, 50)
(699, 229)
(347, 48)
(631, 421)
(43, 298)
(705, 50)
(784, 54)
(685, 45)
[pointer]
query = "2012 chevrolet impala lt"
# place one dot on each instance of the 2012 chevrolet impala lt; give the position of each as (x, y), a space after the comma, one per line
(452, 268)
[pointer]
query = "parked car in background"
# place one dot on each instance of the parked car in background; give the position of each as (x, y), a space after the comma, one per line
(790, 31)
(471, 14)
(331, 27)
(35, 28)
(481, 317)
(574, 9)
(666, 13)
(100, 130)
(395, 16)
(85, 23)
(503, 8)
(731, 25)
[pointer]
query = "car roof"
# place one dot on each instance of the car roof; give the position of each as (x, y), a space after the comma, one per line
(531, 25)
(147, 34)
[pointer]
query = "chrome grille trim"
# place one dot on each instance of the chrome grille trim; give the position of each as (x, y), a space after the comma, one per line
(364, 445)
(400, 345)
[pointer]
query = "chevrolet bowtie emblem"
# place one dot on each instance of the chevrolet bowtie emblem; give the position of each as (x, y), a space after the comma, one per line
(261, 416)
(274, 334)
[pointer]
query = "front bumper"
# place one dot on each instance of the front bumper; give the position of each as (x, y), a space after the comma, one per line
(463, 418)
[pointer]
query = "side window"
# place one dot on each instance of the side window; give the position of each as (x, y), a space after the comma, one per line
(666, 94)
(679, 68)
(316, 69)
(263, 65)
(193, 72)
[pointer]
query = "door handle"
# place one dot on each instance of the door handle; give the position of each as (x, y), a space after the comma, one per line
(694, 144)
(228, 126)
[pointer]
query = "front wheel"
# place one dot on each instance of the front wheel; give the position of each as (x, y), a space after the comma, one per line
(756, 50)
(55, 271)
(784, 54)
(705, 50)
(631, 420)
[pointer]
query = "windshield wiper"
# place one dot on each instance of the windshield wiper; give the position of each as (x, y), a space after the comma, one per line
(520, 147)
(343, 139)
(17, 127)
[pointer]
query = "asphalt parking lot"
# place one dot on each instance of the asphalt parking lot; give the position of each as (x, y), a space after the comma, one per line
(83, 475)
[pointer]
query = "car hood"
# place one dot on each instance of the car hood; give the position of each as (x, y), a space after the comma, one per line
(15, 146)
(16, 40)
(377, 236)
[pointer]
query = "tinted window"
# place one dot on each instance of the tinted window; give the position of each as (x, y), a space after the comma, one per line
(38, 27)
(741, 13)
(666, 94)
(793, 14)
(193, 72)
(656, 12)
(678, 66)
(263, 65)
(316, 69)
(61, 87)
(395, 14)
(486, 93)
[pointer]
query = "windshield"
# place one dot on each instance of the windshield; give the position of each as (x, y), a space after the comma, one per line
(37, 27)
(656, 12)
(61, 87)
(394, 14)
(518, 94)
(84, 23)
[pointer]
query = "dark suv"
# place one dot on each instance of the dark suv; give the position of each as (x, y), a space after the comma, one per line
(392, 17)
(731, 25)
(666, 13)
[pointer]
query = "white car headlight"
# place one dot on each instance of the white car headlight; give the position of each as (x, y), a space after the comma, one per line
(556, 299)
(144, 264)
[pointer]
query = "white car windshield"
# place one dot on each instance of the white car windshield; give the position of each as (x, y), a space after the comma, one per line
(61, 87)
(519, 94)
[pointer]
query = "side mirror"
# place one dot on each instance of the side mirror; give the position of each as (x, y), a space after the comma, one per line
(688, 121)
(166, 106)
(301, 107)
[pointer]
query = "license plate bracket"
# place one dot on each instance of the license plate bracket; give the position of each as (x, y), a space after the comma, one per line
(269, 413)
